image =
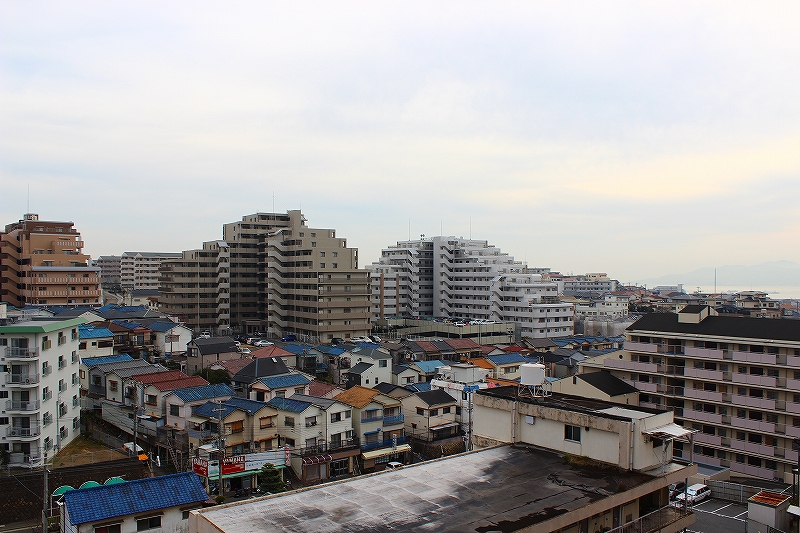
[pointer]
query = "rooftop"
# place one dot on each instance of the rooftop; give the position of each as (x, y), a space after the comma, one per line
(497, 489)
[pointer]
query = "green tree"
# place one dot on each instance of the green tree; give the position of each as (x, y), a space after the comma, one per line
(214, 376)
(269, 479)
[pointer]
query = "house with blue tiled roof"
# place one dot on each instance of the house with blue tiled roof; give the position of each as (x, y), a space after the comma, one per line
(506, 365)
(159, 503)
(95, 341)
(282, 385)
(169, 337)
(319, 432)
(248, 425)
(180, 403)
(426, 370)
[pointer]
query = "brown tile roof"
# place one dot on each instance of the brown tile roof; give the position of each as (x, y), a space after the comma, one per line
(194, 381)
(155, 377)
(485, 349)
(270, 351)
(234, 365)
(357, 396)
(482, 363)
(462, 344)
(428, 346)
(320, 388)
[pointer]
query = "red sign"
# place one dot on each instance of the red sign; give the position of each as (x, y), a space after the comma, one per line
(288, 459)
(200, 466)
(232, 465)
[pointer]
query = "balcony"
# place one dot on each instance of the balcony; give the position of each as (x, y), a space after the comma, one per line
(394, 419)
(14, 353)
(23, 433)
(326, 447)
(623, 364)
(752, 379)
(793, 361)
(752, 447)
(22, 379)
(26, 406)
(749, 401)
(643, 385)
(708, 439)
(714, 375)
(382, 443)
(704, 353)
(641, 347)
(701, 416)
(698, 394)
(755, 425)
(752, 470)
(755, 357)
(371, 419)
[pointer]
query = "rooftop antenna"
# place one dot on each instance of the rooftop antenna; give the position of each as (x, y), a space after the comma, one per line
(273, 200)
(470, 228)
(409, 228)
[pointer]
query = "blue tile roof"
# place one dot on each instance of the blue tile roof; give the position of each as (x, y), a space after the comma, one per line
(298, 349)
(507, 358)
(287, 380)
(126, 324)
(429, 366)
(103, 359)
(327, 349)
(133, 497)
(162, 326)
(204, 392)
(287, 404)
(419, 387)
(251, 406)
(211, 410)
(91, 332)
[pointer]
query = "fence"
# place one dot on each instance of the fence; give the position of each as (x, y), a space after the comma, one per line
(733, 492)
(654, 521)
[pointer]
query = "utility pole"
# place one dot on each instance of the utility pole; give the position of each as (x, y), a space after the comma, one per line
(45, 497)
(220, 447)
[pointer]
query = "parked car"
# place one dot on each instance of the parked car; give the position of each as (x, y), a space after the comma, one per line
(245, 351)
(360, 339)
(694, 494)
(394, 465)
(375, 339)
(289, 338)
(262, 343)
(675, 489)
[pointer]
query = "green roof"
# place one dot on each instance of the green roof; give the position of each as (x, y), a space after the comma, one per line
(44, 326)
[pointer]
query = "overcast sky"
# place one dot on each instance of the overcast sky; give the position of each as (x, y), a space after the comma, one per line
(633, 138)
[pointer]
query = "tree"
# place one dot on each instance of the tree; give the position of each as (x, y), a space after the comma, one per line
(214, 376)
(269, 479)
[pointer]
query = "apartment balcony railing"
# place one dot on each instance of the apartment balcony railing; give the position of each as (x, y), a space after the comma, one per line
(12, 352)
(623, 364)
(793, 361)
(326, 447)
(643, 386)
(24, 432)
(750, 379)
(755, 425)
(749, 401)
(382, 443)
(371, 419)
(792, 431)
(793, 384)
(702, 373)
(752, 470)
(705, 353)
(641, 347)
(755, 357)
(701, 416)
(708, 439)
(394, 419)
(792, 407)
(752, 447)
(22, 379)
(16, 405)
(699, 394)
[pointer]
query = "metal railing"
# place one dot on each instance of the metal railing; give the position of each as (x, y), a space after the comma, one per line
(654, 521)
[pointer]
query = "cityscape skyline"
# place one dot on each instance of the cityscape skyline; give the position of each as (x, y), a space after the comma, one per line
(628, 139)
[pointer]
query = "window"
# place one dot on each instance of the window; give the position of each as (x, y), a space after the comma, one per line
(144, 524)
(267, 422)
(152, 399)
(288, 421)
(112, 528)
(113, 385)
(3, 420)
(434, 412)
(174, 410)
(420, 411)
(299, 390)
(382, 363)
(572, 433)
(445, 410)
(237, 426)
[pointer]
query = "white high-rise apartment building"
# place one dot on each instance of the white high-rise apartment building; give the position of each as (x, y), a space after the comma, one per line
(139, 270)
(39, 387)
(466, 278)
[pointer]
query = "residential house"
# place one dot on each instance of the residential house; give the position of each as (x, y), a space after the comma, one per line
(161, 503)
(319, 432)
(370, 366)
(180, 403)
(202, 353)
(95, 341)
(460, 381)
(426, 370)
(280, 386)
(248, 425)
(600, 385)
(404, 375)
(322, 389)
(255, 369)
(105, 379)
(148, 390)
(378, 424)
(88, 363)
(170, 337)
(431, 416)
(288, 358)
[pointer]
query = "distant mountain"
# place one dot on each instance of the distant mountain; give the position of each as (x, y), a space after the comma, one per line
(771, 274)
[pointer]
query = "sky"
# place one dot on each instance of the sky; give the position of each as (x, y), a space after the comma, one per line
(634, 138)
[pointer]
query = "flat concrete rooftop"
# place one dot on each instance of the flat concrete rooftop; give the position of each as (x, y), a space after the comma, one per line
(497, 489)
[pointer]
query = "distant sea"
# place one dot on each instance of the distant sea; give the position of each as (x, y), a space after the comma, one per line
(789, 292)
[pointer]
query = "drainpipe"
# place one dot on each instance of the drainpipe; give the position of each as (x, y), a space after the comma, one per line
(630, 453)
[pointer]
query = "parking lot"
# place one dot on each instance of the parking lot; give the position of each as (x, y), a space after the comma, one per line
(719, 516)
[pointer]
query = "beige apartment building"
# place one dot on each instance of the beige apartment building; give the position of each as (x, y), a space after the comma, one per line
(270, 273)
(42, 263)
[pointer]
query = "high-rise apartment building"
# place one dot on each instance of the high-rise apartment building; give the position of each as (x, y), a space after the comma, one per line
(270, 273)
(39, 387)
(139, 270)
(110, 266)
(466, 278)
(41, 262)
(735, 380)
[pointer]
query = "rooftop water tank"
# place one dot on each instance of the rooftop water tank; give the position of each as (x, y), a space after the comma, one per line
(531, 374)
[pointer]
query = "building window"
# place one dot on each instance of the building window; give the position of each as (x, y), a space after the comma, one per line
(113, 528)
(445, 410)
(572, 433)
(148, 523)
(152, 399)
(382, 363)
(288, 421)
(420, 411)
(112, 385)
(174, 410)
